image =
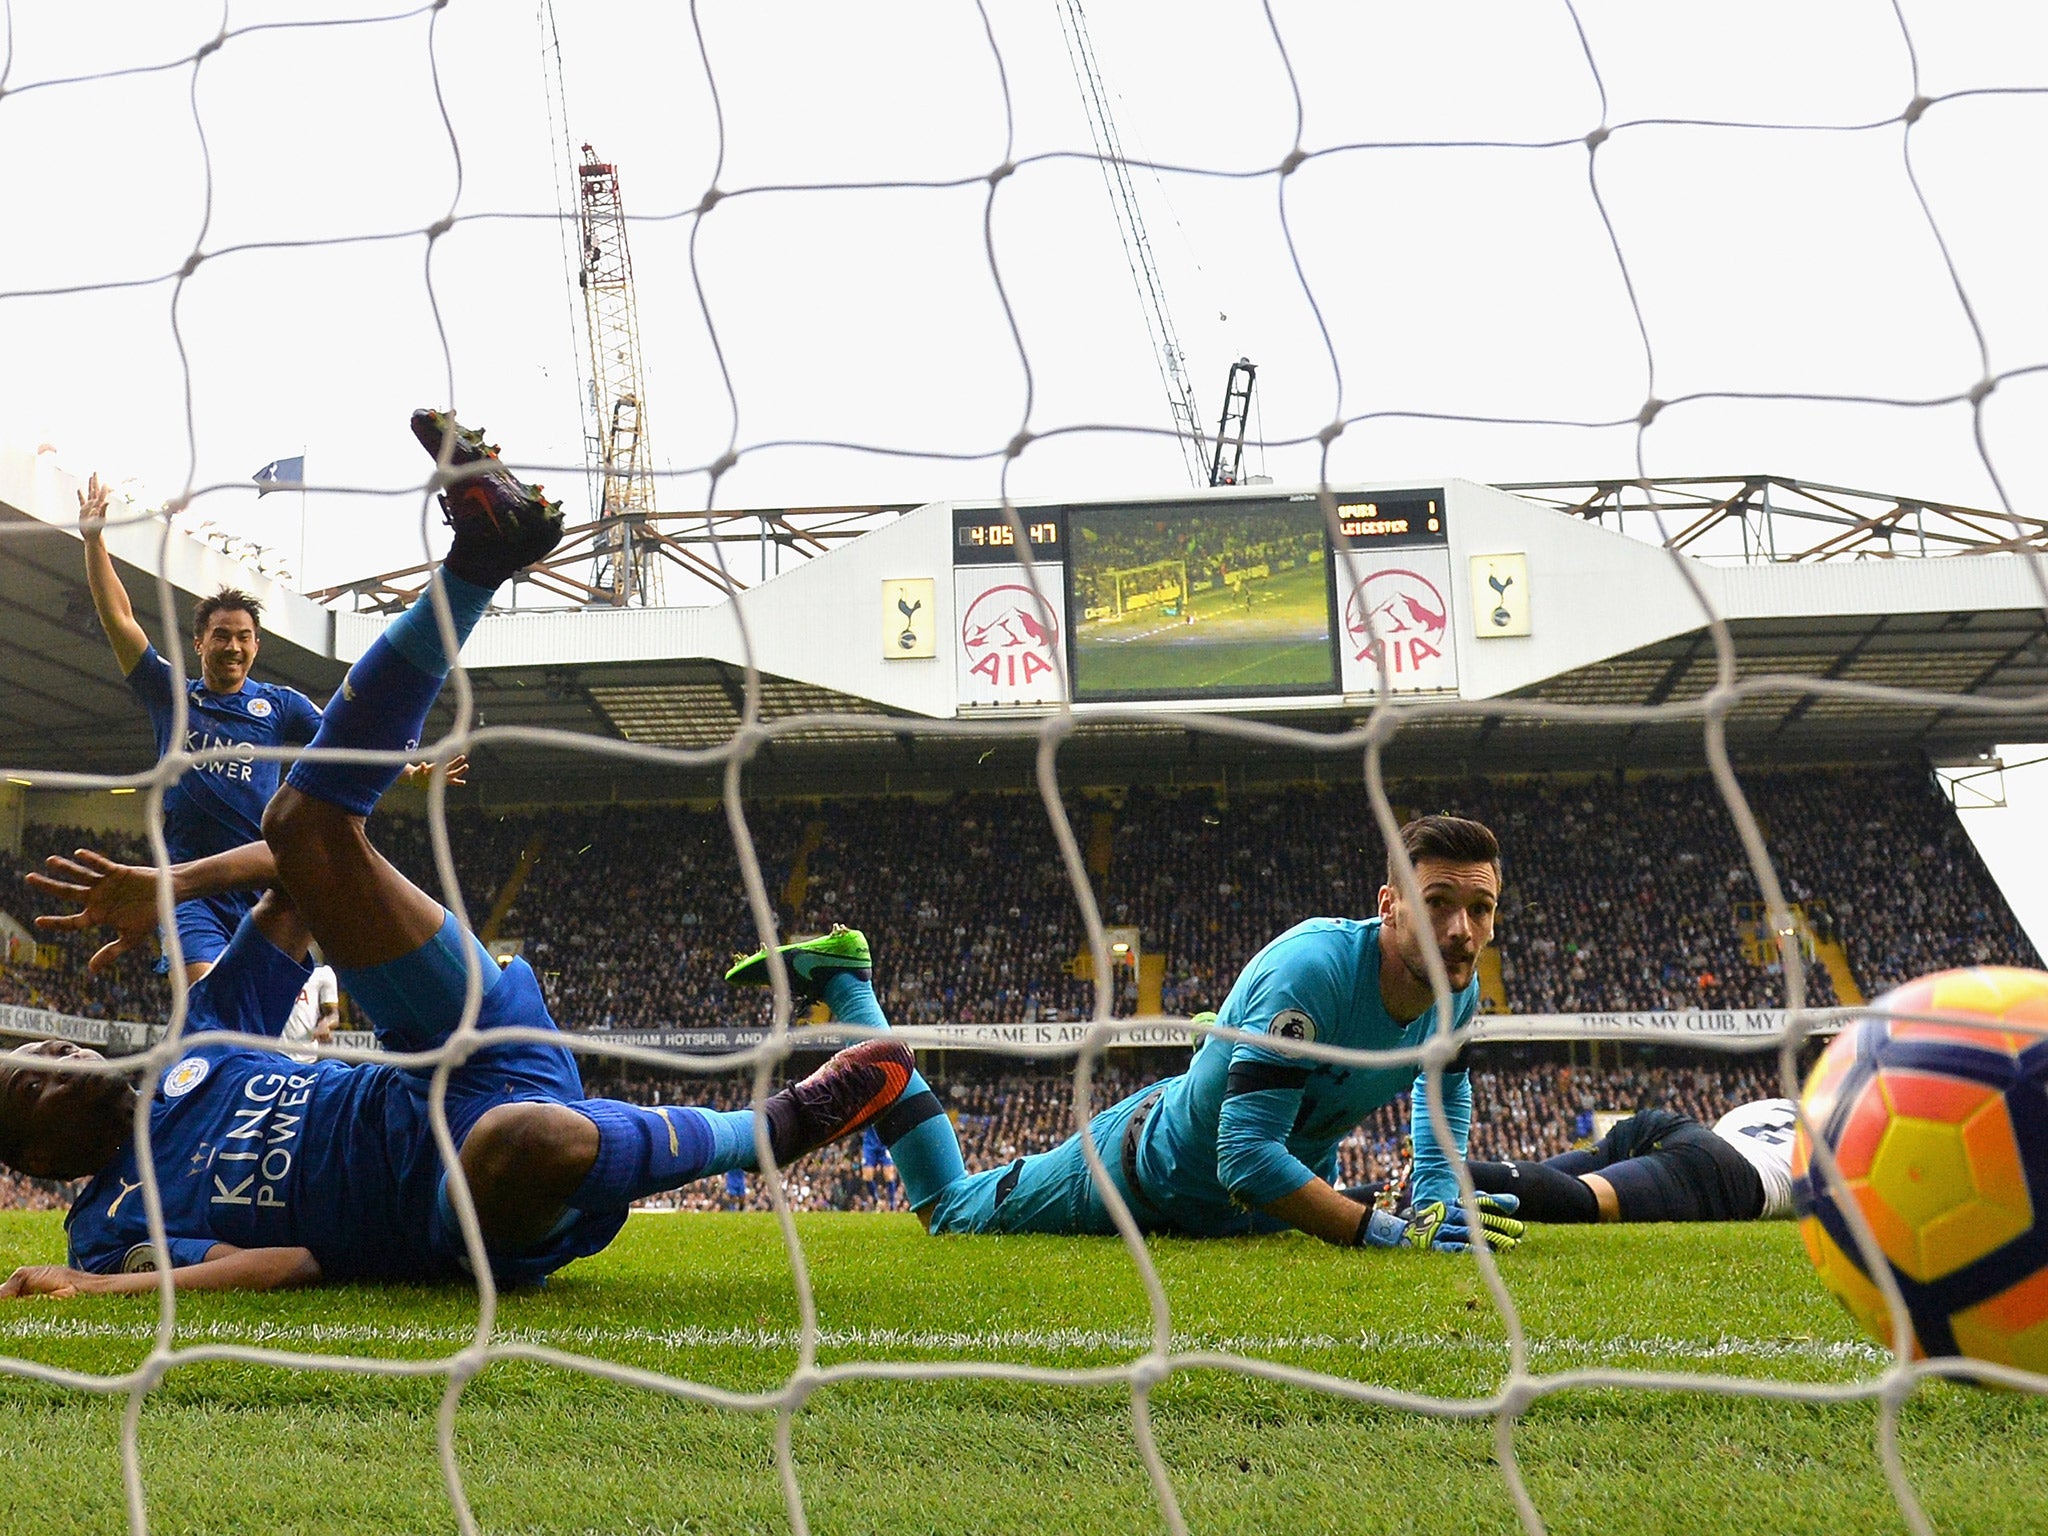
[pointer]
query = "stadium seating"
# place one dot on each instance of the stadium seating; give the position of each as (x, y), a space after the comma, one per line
(129, 990)
(1618, 896)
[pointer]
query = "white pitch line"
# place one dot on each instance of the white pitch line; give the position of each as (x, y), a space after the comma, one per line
(977, 1342)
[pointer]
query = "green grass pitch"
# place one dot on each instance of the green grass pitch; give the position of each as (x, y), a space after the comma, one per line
(239, 1448)
(1280, 641)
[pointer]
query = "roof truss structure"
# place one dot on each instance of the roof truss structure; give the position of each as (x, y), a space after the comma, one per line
(1771, 518)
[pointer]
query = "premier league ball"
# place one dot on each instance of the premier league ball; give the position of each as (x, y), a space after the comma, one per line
(1941, 1133)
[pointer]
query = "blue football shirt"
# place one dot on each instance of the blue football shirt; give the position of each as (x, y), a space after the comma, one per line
(260, 1151)
(1245, 1125)
(219, 805)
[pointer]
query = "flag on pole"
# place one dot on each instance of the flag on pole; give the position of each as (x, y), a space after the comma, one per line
(279, 474)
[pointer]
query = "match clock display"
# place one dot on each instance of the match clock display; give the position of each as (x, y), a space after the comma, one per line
(986, 537)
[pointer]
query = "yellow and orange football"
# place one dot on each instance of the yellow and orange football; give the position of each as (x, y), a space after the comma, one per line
(1940, 1130)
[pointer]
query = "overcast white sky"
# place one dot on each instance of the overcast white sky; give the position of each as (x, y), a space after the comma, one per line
(1461, 281)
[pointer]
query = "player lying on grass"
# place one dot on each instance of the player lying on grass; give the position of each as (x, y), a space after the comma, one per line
(275, 1172)
(1660, 1165)
(217, 805)
(1246, 1139)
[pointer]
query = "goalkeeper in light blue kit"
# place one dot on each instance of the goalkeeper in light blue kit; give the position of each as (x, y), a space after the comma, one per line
(1246, 1139)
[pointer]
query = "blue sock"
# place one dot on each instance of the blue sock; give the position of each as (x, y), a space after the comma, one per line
(642, 1151)
(384, 700)
(916, 1131)
(732, 1139)
(414, 1001)
(416, 633)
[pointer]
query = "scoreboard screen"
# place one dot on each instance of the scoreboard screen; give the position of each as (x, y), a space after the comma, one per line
(1200, 598)
(1402, 519)
(1209, 596)
(984, 536)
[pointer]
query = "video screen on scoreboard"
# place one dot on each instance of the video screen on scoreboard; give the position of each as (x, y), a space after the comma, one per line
(1178, 600)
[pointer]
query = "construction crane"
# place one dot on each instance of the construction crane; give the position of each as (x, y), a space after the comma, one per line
(627, 571)
(1237, 410)
(1130, 223)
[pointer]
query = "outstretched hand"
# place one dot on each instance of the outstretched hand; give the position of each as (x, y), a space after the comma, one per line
(92, 507)
(52, 1280)
(1442, 1228)
(109, 895)
(417, 774)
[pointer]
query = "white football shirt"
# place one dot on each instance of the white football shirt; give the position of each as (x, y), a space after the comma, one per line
(1762, 1133)
(320, 992)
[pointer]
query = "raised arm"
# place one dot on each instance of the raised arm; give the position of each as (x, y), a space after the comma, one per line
(109, 597)
(123, 896)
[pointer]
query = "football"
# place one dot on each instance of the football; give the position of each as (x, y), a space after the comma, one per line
(1941, 1134)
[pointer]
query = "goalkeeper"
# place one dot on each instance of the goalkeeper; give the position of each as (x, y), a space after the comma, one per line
(275, 1172)
(1246, 1139)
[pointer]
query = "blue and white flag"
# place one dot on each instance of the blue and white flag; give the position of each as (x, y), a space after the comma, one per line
(289, 471)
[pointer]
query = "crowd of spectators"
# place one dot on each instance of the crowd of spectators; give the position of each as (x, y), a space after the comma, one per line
(1616, 896)
(19, 1192)
(130, 989)
(1903, 884)
(1620, 894)
(967, 901)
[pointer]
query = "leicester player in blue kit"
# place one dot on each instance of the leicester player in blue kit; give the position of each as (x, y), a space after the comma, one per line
(216, 805)
(1246, 1139)
(275, 1172)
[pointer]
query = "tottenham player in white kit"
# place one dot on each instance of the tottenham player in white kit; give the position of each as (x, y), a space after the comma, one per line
(315, 1014)
(1659, 1165)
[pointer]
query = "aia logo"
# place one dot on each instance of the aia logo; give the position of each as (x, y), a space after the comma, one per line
(1010, 636)
(1401, 613)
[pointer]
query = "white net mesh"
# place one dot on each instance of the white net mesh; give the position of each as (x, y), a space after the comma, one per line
(1305, 63)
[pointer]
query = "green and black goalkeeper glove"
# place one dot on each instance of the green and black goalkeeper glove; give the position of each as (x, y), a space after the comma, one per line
(1442, 1227)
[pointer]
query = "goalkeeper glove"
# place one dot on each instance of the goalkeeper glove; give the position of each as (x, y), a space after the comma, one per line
(1443, 1227)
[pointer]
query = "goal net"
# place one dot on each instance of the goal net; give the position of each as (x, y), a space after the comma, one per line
(1525, 243)
(1162, 584)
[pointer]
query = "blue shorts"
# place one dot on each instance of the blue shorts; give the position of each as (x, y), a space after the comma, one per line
(1049, 1192)
(415, 1003)
(523, 1073)
(206, 926)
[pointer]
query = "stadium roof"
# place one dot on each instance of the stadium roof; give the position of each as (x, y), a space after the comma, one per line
(1618, 626)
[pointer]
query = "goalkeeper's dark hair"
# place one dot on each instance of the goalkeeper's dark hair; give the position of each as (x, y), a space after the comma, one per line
(226, 600)
(1450, 839)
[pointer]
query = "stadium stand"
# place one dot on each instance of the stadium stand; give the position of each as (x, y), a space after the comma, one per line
(18, 1192)
(1620, 895)
(130, 990)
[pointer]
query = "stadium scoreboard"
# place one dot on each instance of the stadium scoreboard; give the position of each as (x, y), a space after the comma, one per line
(1393, 521)
(983, 537)
(1204, 596)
